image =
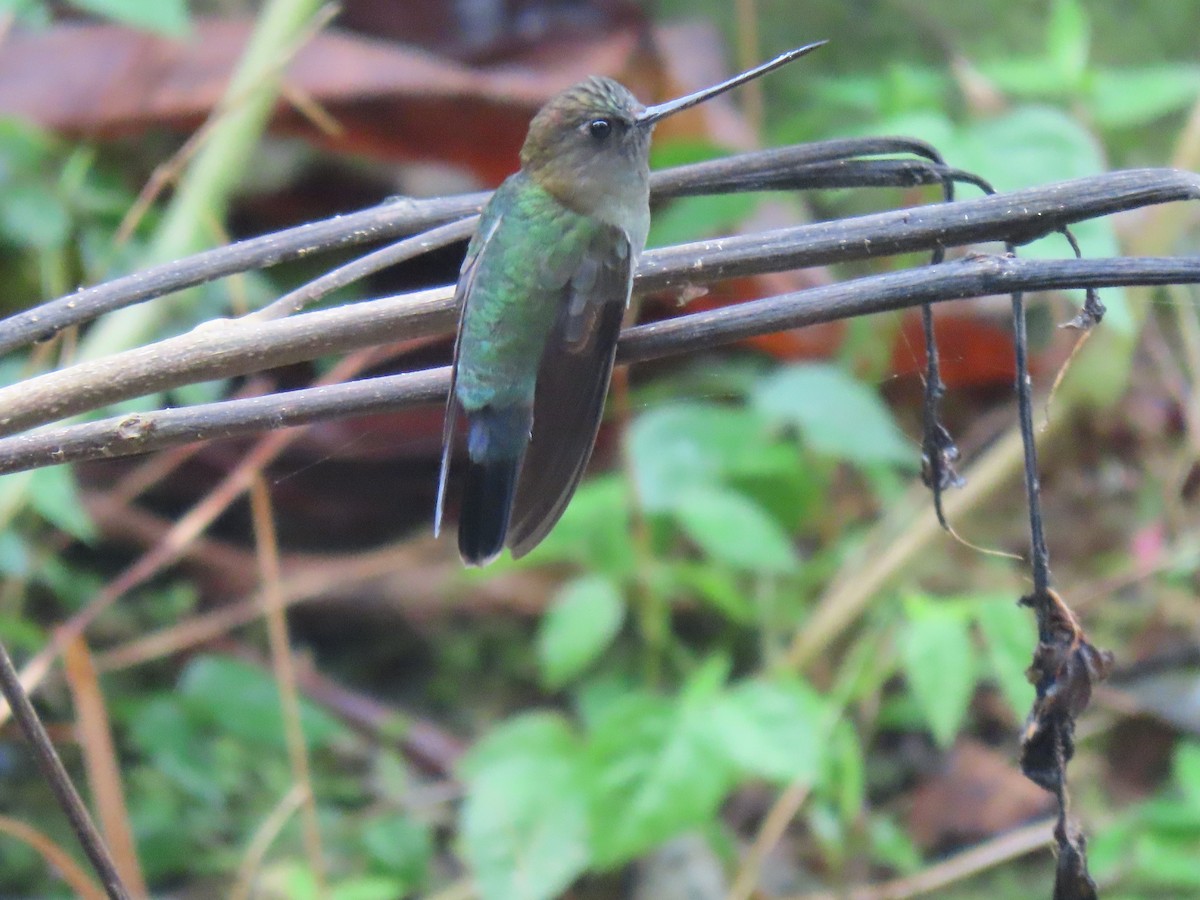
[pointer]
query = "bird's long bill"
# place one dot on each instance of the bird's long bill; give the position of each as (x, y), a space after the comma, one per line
(662, 110)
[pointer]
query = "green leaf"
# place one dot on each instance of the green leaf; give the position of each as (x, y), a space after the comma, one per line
(243, 700)
(675, 448)
(772, 729)
(849, 771)
(1068, 39)
(837, 415)
(1129, 98)
(694, 218)
(524, 824)
(733, 529)
(55, 495)
(717, 587)
(1010, 635)
(368, 887)
(580, 624)
(1186, 768)
(400, 846)
(935, 645)
(168, 17)
(24, 148)
(594, 531)
(652, 772)
(891, 845)
(33, 216)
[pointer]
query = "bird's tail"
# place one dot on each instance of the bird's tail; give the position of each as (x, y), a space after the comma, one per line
(496, 444)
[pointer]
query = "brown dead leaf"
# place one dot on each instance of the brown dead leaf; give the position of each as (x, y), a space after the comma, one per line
(976, 796)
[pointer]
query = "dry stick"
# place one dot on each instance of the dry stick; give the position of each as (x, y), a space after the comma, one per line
(761, 170)
(169, 548)
(225, 348)
(168, 172)
(785, 808)
(978, 859)
(285, 672)
(976, 276)
(360, 268)
(904, 531)
(263, 838)
(55, 856)
(304, 585)
(100, 757)
(60, 782)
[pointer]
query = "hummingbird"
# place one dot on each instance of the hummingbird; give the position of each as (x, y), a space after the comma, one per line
(542, 293)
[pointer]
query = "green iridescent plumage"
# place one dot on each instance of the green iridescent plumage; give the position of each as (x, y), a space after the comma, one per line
(542, 291)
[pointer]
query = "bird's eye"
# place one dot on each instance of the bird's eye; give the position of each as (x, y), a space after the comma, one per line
(599, 128)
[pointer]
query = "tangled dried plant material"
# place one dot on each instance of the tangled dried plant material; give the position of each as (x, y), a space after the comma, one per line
(1066, 666)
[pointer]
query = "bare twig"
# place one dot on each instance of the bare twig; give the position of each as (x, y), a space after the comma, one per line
(962, 865)
(285, 671)
(104, 771)
(224, 348)
(263, 838)
(55, 856)
(172, 545)
(1042, 210)
(142, 432)
(59, 780)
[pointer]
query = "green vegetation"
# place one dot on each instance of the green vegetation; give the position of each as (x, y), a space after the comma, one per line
(660, 684)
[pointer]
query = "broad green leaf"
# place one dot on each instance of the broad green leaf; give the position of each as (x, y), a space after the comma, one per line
(168, 17)
(836, 415)
(243, 700)
(23, 148)
(1068, 39)
(652, 773)
(400, 846)
(1127, 98)
(891, 845)
(717, 587)
(55, 495)
(1168, 861)
(675, 448)
(694, 218)
(733, 529)
(1010, 635)
(296, 881)
(594, 531)
(33, 216)
(14, 555)
(772, 729)
(849, 771)
(1186, 768)
(524, 825)
(935, 645)
(368, 887)
(580, 624)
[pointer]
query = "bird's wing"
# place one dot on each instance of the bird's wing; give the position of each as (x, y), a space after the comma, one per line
(488, 224)
(572, 382)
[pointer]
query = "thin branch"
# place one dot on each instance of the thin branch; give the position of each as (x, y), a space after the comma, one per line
(56, 857)
(976, 276)
(980, 858)
(60, 782)
(764, 170)
(226, 348)
(284, 669)
(100, 757)
(264, 837)
(360, 268)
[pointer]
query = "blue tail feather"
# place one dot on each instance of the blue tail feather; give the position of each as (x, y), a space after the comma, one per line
(496, 444)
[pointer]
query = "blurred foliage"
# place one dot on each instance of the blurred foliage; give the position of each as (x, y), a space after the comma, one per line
(654, 686)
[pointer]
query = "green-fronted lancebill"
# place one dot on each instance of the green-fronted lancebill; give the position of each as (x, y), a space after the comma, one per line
(542, 293)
